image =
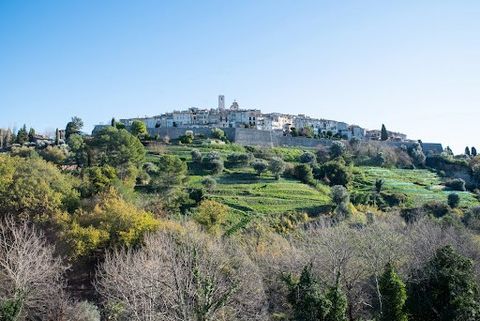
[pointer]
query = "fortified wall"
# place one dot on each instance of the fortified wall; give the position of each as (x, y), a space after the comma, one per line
(267, 138)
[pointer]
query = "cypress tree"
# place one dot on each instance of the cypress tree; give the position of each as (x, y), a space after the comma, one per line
(474, 151)
(394, 296)
(467, 151)
(384, 133)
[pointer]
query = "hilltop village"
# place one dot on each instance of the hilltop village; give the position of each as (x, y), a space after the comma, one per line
(237, 117)
(249, 126)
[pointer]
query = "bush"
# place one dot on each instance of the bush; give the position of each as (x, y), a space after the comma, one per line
(437, 209)
(55, 154)
(456, 184)
(333, 173)
(453, 200)
(307, 158)
(260, 166)
(303, 172)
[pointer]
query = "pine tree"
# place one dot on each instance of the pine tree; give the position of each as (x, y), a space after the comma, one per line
(384, 133)
(467, 151)
(394, 296)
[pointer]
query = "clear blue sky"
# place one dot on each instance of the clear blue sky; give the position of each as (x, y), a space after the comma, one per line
(413, 65)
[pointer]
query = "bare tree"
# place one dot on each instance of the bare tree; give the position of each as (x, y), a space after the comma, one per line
(182, 278)
(31, 278)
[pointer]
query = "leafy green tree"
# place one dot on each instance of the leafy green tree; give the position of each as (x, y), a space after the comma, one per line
(260, 166)
(277, 167)
(115, 147)
(138, 128)
(394, 296)
(304, 173)
(341, 200)
(34, 188)
(78, 148)
(212, 215)
(306, 297)
(337, 149)
(334, 173)
(97, 179)
(453, 200)
(383, 133)
(308, 158)
(169, 175)
(446, 289)
(73, 127)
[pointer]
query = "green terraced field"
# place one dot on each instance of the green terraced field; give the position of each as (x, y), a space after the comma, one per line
(243, 192)
(419, 185)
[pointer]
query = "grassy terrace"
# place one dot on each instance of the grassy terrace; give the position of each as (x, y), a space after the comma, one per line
(419, 185)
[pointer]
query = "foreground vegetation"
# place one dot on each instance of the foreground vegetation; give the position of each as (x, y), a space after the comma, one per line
(118, 226)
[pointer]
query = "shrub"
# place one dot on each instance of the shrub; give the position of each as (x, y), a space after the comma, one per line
(55, 154)
(260, 166)
(437, 209)
(456, 184)
(323, 154)
(303, 172)
(453, 200)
